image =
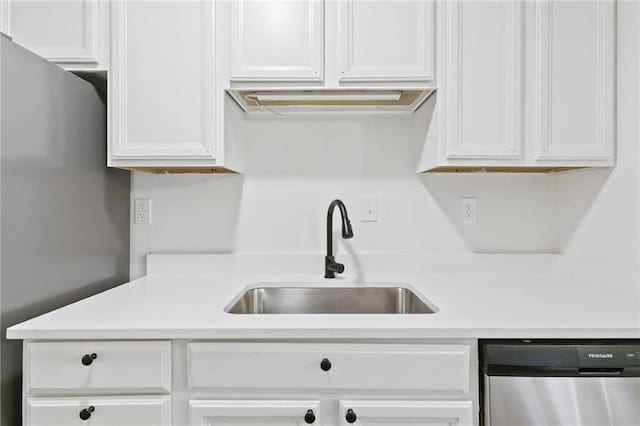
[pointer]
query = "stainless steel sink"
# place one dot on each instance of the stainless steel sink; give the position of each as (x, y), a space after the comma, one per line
(329, 300)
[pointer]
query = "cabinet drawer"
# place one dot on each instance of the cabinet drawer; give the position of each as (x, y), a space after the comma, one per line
(379, 413)
(254, 412)
(433, 367)
(118, 367)
(101, 411)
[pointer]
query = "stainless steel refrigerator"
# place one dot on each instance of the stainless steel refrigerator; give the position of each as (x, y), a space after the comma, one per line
(64, 216)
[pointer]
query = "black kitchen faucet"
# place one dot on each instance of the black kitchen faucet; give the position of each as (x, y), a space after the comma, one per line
(330, 265)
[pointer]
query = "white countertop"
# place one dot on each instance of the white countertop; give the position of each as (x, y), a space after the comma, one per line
(478, 296)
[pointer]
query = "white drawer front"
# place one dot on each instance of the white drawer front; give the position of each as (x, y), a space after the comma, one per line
(122, 367)
(392, 413)
(254, 413)
(104, 411)
(433, 367)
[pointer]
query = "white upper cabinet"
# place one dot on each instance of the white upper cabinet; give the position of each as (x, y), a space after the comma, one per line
(71, 33)
(162, 85)
(279, 40)
(522, 86)
(333, 44)
(385, 40)
(482, 85)
(574, 88)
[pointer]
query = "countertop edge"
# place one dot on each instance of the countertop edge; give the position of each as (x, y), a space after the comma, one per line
(326, 334)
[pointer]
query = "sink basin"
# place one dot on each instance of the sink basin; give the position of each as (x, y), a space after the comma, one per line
(329, 300)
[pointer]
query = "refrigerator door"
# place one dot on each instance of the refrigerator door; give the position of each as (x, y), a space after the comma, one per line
(64, 217)
(563, 401)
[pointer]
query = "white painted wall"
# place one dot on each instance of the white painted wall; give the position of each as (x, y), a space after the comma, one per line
(597, 212)
(297, 165)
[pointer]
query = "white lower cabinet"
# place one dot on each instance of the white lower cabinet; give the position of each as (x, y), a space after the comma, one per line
(113, 367)
(303, 412)
(99, 411)
(382, 384)
(254, 413)
(392, 367)
(244, 383)
(390, 413)
(97, 383)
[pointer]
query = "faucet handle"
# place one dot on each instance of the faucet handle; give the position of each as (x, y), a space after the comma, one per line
(332, 267)
(337, 267)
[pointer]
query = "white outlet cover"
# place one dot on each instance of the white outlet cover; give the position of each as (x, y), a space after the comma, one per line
(142, 211)
(369, 209)
(468, 210)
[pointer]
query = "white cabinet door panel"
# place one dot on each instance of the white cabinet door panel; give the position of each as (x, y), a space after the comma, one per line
(385, 40)
(105, 411)
(252, 413)
(66, 32)
(483, 82)
(417, 413)
(277, 40)
(574, 90)
(162, 85)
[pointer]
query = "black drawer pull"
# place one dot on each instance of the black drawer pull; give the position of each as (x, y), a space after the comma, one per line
(351, 416)
(88, 359)
(85, 414)
(325, 364)
(309, 418)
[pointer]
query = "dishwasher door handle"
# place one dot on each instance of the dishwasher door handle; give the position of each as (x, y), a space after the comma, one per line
(600, 371)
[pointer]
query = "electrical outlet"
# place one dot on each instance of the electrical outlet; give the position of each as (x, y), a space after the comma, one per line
(368, 209)
(142, 211)
(468, 210)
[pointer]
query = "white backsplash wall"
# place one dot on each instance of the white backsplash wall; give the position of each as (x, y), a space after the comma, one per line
(297, 165)
(597, 211)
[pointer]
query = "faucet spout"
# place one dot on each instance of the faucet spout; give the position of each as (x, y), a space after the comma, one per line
(331, 267)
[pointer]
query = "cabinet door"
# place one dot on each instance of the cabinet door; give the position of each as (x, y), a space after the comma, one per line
(162, 86)
(277, 40)
(419, 413)
(254, 413)
(574, 89)
(385, 40)
(482, 80)
(101, 411)
(69, 32)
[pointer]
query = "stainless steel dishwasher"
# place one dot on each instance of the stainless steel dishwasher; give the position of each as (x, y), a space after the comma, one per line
(586, 384)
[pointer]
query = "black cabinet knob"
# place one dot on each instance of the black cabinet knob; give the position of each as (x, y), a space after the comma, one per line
(309, 417)
(351, 416)
(325, 364)
(85, 414)
(88, 359)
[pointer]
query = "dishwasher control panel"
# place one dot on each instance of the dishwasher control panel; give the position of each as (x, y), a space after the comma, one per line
(609, 355)
(561, 360)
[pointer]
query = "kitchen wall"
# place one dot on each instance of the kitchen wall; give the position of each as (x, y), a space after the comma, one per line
(597, 212)
(298, 164)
